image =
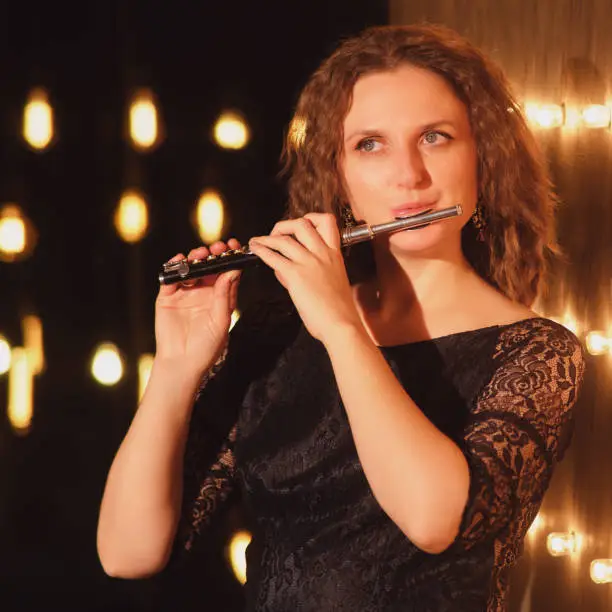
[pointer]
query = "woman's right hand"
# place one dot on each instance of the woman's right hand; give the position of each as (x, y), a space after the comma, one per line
(192, 319)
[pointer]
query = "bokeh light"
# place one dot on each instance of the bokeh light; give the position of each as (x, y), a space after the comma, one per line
(17, 234)
(5, 355)
(132, 216)
(107, 365)
(237, 554)
(210, 216)
(143, 120)
(38, 120)
(231, 131)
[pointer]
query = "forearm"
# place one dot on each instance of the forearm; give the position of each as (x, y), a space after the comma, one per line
(418, 475)
(142, 498)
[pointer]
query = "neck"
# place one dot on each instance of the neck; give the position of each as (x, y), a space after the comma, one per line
(425, 282)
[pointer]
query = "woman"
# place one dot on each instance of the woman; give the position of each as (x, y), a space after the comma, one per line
(392, 438)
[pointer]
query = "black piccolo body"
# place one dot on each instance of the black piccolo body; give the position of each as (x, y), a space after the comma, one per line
(238, 259)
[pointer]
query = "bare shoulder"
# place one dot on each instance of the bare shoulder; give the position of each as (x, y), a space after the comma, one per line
(491, 307)
(554, 340)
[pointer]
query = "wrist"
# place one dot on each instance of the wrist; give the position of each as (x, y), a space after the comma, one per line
(346, 334)
(177, 373)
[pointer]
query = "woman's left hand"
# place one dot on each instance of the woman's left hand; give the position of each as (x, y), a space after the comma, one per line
(306, 258)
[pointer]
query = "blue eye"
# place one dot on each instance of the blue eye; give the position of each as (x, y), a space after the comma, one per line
(367, 144)
(434, 137)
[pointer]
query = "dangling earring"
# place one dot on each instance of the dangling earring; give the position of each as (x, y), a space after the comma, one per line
(348, 219)
(479, 222)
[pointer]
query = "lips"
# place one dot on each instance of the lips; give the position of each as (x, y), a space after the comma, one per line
(410, 210)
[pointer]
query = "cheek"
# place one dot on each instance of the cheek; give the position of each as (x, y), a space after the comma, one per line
(362, 180)
(459, 173)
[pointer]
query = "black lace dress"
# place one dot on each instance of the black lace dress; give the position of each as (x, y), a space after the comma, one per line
(271, 422)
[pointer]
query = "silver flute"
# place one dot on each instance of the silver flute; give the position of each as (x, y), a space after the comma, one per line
(237, 259)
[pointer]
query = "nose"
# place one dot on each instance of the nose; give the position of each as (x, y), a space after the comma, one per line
(411, 171)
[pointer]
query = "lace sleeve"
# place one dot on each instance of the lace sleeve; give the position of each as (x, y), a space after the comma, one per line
(209, 466)
(519, 429)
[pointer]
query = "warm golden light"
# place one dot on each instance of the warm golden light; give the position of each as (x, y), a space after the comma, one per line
(569, 321)
(17, 234)
(107, 365)
(234, 319)
(209, 216)
(601, 571)
(131, 217)
(20, 391)
(38, 120)
(596, 116)
(597, 343)
(145, 363)
(545, 115)
(562, 544)
(573, 117)
(539, 522)
(231, 131)
(237, 554)
(12, 231)
(33, 342)
(143, 121)
(297, 131)
(5, 355)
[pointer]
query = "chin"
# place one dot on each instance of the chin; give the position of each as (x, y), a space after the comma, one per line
(422, 240)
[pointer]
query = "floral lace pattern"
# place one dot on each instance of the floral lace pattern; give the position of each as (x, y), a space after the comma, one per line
(519, 429)
(505, 394)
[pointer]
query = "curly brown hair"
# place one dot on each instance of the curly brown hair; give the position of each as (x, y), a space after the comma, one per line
(515, 191)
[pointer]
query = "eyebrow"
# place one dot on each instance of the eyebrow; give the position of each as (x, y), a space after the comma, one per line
(364, 133)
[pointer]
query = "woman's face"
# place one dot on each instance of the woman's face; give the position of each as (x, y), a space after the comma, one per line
(408, 147)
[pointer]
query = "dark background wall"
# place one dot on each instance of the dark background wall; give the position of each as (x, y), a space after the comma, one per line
(87, 285)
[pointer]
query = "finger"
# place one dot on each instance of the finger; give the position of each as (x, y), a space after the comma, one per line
(200, 252)
(216, 248)
(166, 290)
(304, 231)
(270, 257)
(287, 246)
(221, 300)
(327, 227)
(233, 301)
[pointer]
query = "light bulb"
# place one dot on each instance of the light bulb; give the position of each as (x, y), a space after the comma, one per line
(545, 115)
(5, 355)
(561, 544)
(601, 571)
(107, 365)
(21, 391)
(143, 120)
(596, 116)
(131, 217)
(231, 131)
(38, 120)
(209, 216)
(17, 234)
(597, 343)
